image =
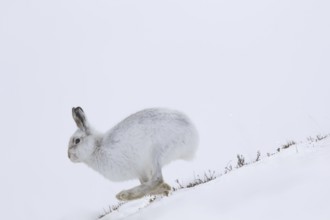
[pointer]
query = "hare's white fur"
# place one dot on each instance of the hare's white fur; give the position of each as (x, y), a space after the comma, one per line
(137, 147)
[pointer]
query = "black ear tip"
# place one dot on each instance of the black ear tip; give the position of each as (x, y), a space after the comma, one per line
(77, 109)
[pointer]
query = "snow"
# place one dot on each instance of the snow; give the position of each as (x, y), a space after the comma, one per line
(293, 184)
(252, 75)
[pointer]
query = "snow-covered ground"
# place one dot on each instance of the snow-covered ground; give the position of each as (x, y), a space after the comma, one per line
(292, 184)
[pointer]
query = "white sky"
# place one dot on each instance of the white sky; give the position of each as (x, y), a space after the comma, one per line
(251, 75)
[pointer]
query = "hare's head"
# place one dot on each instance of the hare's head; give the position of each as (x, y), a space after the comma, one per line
(83, 142)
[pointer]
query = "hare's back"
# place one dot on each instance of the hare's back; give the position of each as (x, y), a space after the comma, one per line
(153, 126)
(156, 120)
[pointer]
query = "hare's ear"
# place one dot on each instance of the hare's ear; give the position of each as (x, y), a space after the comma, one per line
(80, 118)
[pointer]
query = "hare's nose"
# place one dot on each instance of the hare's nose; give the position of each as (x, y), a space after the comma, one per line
(69, 155)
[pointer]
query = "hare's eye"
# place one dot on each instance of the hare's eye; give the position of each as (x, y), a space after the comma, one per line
(77, 141)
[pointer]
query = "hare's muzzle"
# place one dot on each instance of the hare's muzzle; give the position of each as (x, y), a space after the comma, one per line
(72, 157)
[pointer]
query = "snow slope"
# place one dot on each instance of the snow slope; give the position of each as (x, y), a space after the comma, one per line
(292, 184)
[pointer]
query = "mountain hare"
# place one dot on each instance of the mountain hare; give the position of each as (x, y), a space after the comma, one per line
(137, 147)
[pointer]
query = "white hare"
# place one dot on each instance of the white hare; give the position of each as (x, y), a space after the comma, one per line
(137, 147)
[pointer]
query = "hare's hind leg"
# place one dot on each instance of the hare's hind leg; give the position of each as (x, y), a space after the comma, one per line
(158, 187)
(134, 193)
(161, 189)
(149, 186)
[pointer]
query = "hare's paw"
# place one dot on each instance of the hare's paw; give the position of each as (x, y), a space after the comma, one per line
(123, 195)
(127, 195)
(163, 188)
